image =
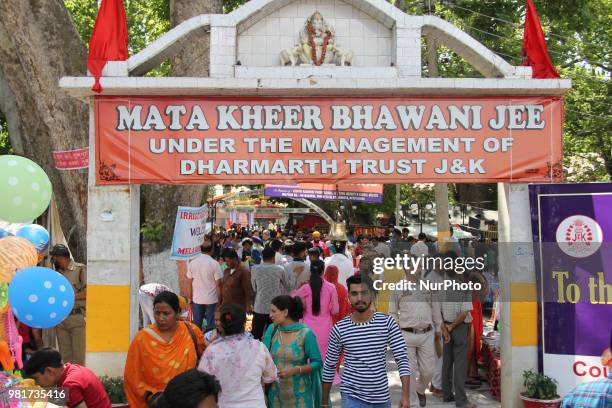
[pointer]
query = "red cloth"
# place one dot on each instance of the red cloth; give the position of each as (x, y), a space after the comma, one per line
(535, 52)
(331, 275)
(83, 386)
(323, 246)
(109, 39)
(477, 325)
(24, 332)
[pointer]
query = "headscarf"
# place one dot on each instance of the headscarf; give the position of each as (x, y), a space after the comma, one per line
(331, 275)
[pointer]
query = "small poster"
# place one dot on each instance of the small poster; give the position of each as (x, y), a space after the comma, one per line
(189, 231)
(71, 159)
(371, 193)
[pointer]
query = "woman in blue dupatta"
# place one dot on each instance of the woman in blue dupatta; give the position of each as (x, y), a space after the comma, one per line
(295, 352)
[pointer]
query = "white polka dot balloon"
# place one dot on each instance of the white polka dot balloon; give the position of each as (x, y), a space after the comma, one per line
(25, 189)
(36, 297)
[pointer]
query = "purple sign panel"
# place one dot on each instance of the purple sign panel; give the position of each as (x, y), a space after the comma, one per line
(572, 232)
(368, 193)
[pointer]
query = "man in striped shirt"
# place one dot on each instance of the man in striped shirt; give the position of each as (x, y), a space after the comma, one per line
(364, 337)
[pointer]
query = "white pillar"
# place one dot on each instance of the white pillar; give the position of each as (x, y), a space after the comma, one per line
(518, 315)
(113, 236)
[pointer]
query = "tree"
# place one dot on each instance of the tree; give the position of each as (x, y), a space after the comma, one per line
(38, 45)
(579, 39)
(578, 36)
(50, 42)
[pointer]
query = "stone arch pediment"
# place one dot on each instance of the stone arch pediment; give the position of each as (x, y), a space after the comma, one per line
(402, 60)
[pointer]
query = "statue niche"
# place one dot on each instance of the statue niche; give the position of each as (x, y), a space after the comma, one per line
(316, 46)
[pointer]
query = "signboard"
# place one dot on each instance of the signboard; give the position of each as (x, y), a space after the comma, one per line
(196, 140)
(189, 231)
(71, 159)
(371, 193)
(572, 228)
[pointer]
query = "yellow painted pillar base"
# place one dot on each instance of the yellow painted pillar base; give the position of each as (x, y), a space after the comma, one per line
(524, 314)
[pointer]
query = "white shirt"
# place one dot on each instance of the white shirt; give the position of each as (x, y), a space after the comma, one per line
(345, 266)
(419, 248)
(205, 272)
(240, 363)
(278, 258)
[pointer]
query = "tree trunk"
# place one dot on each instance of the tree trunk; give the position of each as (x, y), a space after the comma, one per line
(440, 189)
(192, 60)
(38, 45)
(478, 195)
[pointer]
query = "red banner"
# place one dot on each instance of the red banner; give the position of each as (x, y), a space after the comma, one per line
(71, 159)
(166, 140)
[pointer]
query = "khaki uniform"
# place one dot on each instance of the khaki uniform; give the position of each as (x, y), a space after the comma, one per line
(418, 315)
(71, 332)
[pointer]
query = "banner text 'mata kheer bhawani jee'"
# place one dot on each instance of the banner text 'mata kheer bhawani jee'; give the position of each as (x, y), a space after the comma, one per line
(331, 140)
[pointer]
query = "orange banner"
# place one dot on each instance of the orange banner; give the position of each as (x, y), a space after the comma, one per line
(168, 140)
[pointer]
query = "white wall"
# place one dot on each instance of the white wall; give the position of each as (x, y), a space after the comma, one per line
(371, 41)
(159, 268)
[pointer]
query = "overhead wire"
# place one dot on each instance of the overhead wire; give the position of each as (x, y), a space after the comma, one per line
(452, 5)
(590, 62)
(517, 58)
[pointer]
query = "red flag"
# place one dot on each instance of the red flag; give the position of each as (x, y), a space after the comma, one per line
(109, 39)
(535, 53)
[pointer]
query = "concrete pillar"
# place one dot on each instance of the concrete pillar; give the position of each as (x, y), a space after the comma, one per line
(518, 314)
(222, 48)
(113, 220)
(407, 51)
(442, 224)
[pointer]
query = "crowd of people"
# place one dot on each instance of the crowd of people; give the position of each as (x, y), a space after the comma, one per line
(314, 310)
(277, 319)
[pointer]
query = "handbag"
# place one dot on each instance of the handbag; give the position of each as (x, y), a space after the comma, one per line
(195, 341)
(154, 400)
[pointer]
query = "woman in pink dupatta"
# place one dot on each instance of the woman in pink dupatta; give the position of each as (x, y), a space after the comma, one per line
(321, 300)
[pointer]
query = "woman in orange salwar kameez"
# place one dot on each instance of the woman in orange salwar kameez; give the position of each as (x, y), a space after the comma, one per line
(160, 352)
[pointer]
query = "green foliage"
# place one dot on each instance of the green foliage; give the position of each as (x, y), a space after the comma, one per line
(579, 38)
(152, 231)
(539, 386)
(231, 5)
(5, 141)
(147, 20)
(83, 14)
(114, 389)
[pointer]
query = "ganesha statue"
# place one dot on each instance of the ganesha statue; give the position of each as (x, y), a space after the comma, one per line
(316, 46)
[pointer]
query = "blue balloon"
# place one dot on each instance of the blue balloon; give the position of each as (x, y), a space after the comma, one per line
(37, 235)
(40, 297)
(5, 233)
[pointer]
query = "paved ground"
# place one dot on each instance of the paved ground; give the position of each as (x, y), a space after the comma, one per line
(480, 397)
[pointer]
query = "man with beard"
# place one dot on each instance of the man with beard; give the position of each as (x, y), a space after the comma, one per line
(71, 332)
(363, 337)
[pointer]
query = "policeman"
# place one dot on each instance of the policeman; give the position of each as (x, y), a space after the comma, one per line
(71, 332)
